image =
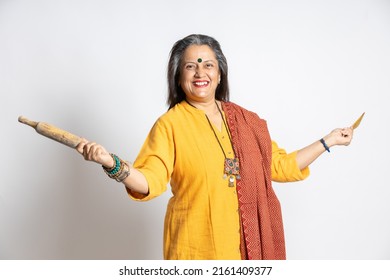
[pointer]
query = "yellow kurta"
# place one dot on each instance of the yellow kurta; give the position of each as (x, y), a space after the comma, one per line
(202, 219)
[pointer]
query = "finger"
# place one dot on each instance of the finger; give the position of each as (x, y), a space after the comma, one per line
(348, 131)
(94, 152)
(348, 134)
(87, 150)
(80, 146)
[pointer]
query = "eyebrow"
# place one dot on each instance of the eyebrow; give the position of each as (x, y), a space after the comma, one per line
(209, 60)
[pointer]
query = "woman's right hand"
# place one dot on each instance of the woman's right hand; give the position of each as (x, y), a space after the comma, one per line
(95, 152)
(136, 181)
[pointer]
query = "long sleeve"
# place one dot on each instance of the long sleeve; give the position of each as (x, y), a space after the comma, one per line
(284, 166)
(156, 160)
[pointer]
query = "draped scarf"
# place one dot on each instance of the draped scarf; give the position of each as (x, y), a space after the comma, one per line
(262, 234)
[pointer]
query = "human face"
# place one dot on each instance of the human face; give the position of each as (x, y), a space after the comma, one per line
(199, 74)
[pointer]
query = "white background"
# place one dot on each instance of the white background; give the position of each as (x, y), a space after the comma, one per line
(98, 69)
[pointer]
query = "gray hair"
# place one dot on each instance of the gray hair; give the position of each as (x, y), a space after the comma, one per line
(175, 92)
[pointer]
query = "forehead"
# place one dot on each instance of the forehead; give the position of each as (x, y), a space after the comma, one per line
(193, 52)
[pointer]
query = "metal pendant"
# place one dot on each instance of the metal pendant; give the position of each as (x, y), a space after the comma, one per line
(231, 181)
(232, 166)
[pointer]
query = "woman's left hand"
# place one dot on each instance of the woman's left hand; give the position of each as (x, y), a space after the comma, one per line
(339, 136)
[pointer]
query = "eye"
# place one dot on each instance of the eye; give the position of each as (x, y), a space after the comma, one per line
(189, 66)
(209, 65)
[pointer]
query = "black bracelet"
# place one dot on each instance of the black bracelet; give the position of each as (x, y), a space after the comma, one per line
(324, 144)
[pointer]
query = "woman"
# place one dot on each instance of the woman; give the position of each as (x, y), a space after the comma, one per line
(219, 160)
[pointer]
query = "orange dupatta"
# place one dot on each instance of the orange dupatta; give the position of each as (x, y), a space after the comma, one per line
(262, 234)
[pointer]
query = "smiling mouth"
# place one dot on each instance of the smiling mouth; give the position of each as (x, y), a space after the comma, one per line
(201, 83)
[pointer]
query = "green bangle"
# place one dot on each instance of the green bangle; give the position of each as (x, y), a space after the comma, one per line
(115, 168)
(119, 171)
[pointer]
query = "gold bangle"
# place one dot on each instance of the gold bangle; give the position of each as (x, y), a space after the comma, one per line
(122, 169)
(124, 172)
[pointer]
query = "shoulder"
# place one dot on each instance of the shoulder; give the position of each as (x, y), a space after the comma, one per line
(234, 108)
(174, 117)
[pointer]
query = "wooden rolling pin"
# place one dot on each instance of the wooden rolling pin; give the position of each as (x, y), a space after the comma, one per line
(52, 132)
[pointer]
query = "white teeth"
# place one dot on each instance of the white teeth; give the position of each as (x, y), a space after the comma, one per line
(201, 83)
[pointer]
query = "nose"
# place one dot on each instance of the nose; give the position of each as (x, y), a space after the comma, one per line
(199, 72)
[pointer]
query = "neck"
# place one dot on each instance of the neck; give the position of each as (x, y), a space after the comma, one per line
(209, 107)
